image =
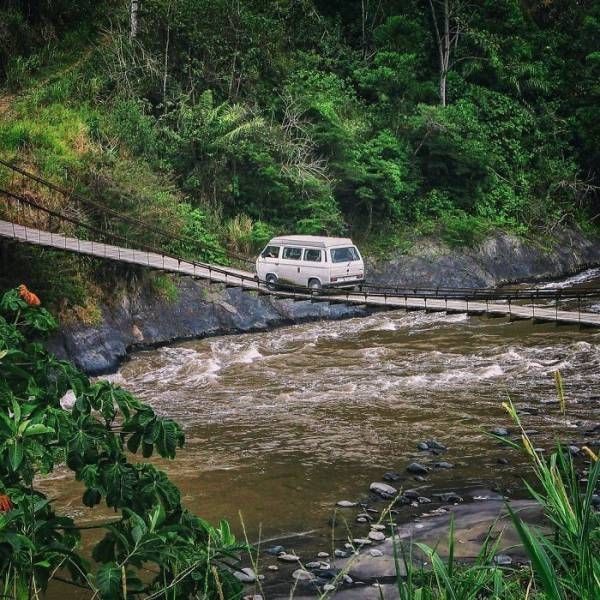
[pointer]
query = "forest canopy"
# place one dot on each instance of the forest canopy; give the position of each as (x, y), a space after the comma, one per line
(372, 117)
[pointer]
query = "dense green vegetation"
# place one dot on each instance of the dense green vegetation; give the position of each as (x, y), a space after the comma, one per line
(152, 545)
(234, 120)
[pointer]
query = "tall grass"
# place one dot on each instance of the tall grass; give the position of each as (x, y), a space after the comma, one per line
(564, 565)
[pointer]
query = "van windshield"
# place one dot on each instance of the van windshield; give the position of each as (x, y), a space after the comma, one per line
(349, 254)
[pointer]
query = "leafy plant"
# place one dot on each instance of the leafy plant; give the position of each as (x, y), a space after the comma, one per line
(95, 438)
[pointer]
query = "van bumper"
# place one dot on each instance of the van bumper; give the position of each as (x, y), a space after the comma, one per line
(346, 283)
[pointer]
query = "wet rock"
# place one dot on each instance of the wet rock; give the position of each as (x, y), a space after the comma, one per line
(303, 575)
(383, 489)
(423, 500)
(435, 445)
(315, 564)
(443, 465)
(595, 500)
(420, 478)
(375, 553)
(362, 541)
(253, 597)
(273, 568)
(378, 527)
(345, 504)
(503, 560)
(417, 469)
(327, 573)
(500, 431)
(502, 461)
(245, 575)
(449, 497)
(376, 536)
(348, 580)
(411, 494)
(323, 555)
(365, 516)
(340, 554)
(361, 520)
(574, 450)
(422, 446)
(275, 550)
(391, 476)
(286, 557)
(328, 587)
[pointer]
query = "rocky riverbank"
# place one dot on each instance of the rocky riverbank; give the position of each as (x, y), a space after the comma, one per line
(144, 319)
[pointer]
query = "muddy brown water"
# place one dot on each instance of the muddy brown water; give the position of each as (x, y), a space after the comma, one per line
(281, 424)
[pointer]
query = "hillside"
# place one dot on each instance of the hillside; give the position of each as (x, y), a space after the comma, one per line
(232, 121)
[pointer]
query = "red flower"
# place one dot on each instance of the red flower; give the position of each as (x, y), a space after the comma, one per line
(28, 296)
(5, 503)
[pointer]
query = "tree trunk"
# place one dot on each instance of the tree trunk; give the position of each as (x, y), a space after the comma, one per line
(443, 41)
(134, 8)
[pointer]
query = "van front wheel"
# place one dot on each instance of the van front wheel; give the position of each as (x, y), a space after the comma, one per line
(314, 285)
(271, 281)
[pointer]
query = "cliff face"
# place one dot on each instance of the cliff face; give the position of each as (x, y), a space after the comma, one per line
(144, 320)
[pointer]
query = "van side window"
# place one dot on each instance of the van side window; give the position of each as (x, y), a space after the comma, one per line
(292, 253)
(312, 255)
(271, 252)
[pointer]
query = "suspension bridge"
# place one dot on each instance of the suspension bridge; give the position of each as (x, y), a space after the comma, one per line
(109, 236)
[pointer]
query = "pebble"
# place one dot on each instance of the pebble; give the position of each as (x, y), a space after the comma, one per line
(423, 500)
(383, 489)
(328, 587)
(376, 536)
(348, 579)
(323, 555)
(340, 554)
(253, 597)
(596, 500)
(363, 541)
(502, 560)
(275, 550)
(273, 568)
(574, 450)
(412, 494)
(417, 469)
(245, 575)
(375, 553)
(443, 465)
(391, 476)
(285, 557)
(302, 575)
(362, 520)
(501, 431)
(449, 497)
(422, 446)
(345, 504)
(377, 527)
(435, 445)
(315, 565)
(503, 461)
(420, 478)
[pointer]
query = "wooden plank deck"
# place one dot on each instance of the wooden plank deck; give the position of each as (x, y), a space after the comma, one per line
(245, 280)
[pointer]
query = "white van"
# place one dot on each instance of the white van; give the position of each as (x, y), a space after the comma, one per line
(310, 261)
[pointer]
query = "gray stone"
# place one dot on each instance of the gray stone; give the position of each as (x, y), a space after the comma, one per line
(500, 431)
(340, 554)
(503, 560)
(411, 494)
(375, 553)
(376, 536)
(422, 446)
(285, 557)
(323, 555)
(345, 503)
(423, 500)
(273, 568)
(383, 489)
(574, 450)
(303, 575)
(443, 465)
(245, 575)
(449, 497)
(417, 469)
(362, 541)
(435, 445)
(275, 550)
(391, 476)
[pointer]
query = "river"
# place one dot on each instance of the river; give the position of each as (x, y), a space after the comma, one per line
(282, 424)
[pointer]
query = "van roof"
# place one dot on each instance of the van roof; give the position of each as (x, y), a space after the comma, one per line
(316, 241)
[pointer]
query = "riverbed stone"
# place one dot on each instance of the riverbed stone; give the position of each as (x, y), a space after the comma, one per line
(362, 541)
(443, 465)
(503, 560)
(340, 553)
(275, 550)
(391, 476)
(417, 469)
(422, 446)
(288, 557)
(323, 555)
(411, 494)
(574, 450)
(345, 504)
(383, 489)
(303, 575)
(245, 575)
(273, 568)
(449, 497)
(500, 431)
(362, 520)
(376, 536)
(375, 553)
(502, 461)
(435, 445)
